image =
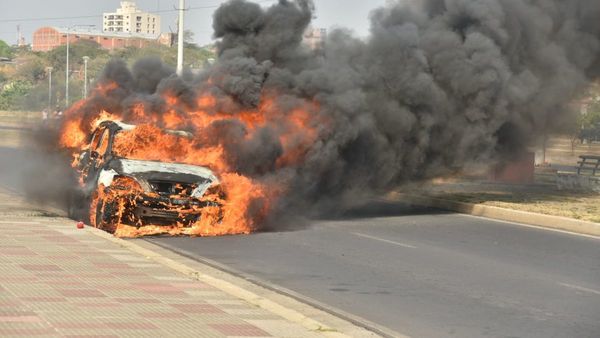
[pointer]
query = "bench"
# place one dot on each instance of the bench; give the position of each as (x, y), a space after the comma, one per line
(589, 163)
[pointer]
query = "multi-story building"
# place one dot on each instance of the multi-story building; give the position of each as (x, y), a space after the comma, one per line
(130, 19)
(315, 38)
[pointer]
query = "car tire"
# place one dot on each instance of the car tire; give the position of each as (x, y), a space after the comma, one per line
(105, 216)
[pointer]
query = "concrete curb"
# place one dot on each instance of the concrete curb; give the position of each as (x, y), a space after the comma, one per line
(530, 218)
(293, 310)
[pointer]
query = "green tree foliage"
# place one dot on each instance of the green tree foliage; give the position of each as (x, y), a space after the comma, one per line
(57, 57)
(5, 50)
(26, 87)
(592, 118)
(12, 94)
(31, 69)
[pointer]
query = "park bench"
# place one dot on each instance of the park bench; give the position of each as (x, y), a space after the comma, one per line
(588, 163)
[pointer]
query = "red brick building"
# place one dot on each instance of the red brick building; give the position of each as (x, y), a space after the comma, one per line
(48, 38)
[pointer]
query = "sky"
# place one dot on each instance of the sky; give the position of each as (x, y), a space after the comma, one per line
(33, 14)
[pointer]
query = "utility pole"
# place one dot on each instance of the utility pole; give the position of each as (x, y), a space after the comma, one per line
(85, 62)
(180, 38)
(49, 87)
(67, 72)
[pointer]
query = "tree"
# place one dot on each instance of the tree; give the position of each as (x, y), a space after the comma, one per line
(589, 123)
(5, 50)
(32, 69)
(12, 93)
(188, 37)
(57, 57)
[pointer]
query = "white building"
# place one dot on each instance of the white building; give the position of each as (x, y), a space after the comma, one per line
(130, 19)
(315, 37)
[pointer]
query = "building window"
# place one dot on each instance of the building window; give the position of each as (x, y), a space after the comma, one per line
(139, 18)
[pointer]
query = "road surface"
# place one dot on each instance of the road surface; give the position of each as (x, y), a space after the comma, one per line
(422, 273)
(427, 273)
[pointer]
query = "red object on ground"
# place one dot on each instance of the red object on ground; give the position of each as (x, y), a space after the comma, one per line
(80, 225)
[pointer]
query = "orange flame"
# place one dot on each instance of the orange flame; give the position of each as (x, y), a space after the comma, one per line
(246, 203)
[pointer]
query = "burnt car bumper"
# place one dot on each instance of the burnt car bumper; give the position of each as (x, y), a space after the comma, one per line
(161, 210)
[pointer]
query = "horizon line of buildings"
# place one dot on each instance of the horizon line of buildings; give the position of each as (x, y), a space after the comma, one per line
(129, 26)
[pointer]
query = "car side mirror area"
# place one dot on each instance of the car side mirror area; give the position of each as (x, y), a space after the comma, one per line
(84, 160)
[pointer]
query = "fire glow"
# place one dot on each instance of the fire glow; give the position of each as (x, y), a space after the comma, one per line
(248, 199)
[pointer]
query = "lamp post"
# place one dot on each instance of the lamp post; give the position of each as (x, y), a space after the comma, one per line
(85, 63)
(49, 69)
(67, 70)
(180, 38)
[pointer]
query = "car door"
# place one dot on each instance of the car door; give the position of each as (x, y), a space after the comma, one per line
(97, 156)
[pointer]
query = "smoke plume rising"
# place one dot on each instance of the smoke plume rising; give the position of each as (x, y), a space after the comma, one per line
(437, 85)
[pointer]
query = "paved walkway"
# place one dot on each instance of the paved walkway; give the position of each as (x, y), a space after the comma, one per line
(58, 281)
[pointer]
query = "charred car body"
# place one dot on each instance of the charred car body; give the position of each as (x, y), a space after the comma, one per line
(117, 190)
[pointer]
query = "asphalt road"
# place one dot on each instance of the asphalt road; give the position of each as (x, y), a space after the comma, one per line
(420, 272)
(425, 273)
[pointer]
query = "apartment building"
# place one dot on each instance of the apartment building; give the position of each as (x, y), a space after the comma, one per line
(130, 19)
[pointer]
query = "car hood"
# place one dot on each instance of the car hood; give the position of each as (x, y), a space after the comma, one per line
(165, 170)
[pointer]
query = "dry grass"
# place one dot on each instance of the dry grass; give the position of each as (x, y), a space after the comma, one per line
(581, 206)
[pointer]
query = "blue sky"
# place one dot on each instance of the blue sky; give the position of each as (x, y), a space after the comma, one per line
(351, 14)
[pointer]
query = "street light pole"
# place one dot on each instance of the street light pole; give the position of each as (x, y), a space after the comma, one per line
(180, 38)
(49, 87)
(85, 62)
(67, 72)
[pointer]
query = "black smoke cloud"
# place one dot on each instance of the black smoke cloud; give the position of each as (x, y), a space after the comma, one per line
(437, 85)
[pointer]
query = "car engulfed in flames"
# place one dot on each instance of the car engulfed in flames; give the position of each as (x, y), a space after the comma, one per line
(136, 197)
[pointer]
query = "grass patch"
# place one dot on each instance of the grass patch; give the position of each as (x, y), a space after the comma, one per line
(581, 206)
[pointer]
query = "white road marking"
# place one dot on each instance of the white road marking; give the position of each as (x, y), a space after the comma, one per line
(19, 222)
(384, 240)
(580, 288)
(529, 226)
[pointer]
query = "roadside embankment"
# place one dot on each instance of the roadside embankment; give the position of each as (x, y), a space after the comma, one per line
(541, 204)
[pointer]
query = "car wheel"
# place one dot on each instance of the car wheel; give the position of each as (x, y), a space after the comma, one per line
(105, 216)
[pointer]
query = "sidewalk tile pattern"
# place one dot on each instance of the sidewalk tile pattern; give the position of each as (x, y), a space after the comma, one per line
(58, 281)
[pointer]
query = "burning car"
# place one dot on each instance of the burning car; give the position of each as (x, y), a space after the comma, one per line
(118, 190)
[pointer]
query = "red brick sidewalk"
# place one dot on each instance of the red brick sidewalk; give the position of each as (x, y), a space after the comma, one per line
(56, 280)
